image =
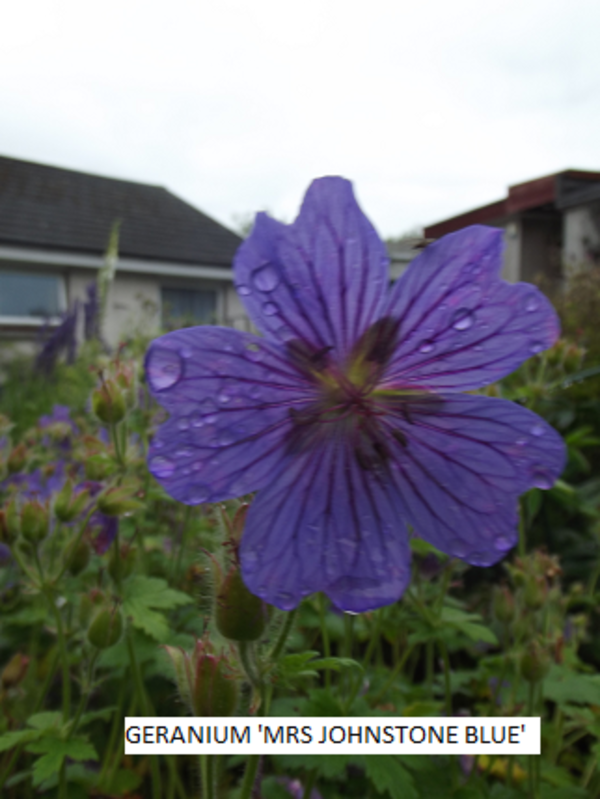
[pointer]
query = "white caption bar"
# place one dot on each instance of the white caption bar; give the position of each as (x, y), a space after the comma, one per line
(165, 735)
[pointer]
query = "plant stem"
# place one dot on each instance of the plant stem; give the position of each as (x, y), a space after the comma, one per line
(325, 636)
(309, 784)
(447, 686)
(62, 648)
(249, 777)
(283, 635)
(145, 704)
(209, 776)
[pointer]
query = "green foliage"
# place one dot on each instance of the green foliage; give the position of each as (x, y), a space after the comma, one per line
(144, 598)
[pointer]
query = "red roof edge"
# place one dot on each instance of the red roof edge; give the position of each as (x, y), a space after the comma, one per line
(478, 216)
(531, 194)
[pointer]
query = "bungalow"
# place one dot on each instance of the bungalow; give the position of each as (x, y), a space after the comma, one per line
(551, 224)
(174, 262)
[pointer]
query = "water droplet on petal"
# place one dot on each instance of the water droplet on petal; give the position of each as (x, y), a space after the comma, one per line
(531, 303)
(209, 409)
(161, 467)
(459, 550)
(186, 352)
(198, 493)
(266, 278)
(197, 466)
(197, 420)
(503, 543)
(426, 346)
(183, 423)
(537, 430)
(250, 557)
(226, 437)
(285, 600)
(164, 368)
(243, 290)
(253, 351)
(462, 319)
(270, 309)
(541, 478)
(536, 347)
(520, 442)
(224, 398)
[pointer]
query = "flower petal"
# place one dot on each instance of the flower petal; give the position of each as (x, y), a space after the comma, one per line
(464, 462)
(322, 279)
(327, 525)
(229, 395)
(461, 326)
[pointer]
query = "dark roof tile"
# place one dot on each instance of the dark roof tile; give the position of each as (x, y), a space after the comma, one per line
(47, 207)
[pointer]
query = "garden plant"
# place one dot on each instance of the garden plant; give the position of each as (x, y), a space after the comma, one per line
(386, 502)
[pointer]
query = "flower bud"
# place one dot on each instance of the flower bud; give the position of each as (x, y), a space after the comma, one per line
(14, 671)
(106, 628)
(34, 521)
(78, 557)
(121, 564)
(108, 402)
(535, 592)
(535, 662)
(119, 500)
(98, 466)
(504, 605)
(205, 681)
(17, 458)
(66, 506)
(87, 603)
(11, 523)
(240, 615)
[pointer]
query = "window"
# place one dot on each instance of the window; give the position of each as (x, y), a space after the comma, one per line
(26, 294)
(181, 307)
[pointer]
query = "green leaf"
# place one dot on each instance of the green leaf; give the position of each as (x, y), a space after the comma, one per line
(388, 775)
(53, 751)
(46, 720)
(124, 781)
(144, 596)
(337, 664)
(469, 624)
(104, 715)
(563, 685)
(11, 739)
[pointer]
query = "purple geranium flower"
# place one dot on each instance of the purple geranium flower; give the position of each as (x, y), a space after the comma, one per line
(346, 415)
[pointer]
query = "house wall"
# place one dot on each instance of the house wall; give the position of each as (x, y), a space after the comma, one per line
(512, 251)
(581, 235)
(540, 254)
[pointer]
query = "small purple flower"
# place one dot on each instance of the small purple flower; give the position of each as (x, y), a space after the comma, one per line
(296, 789)
(347, 414)
(91, 312)
(56, 340)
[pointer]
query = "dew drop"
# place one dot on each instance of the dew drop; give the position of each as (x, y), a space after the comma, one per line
(531, 303)
(197, 493)
(459, 550)
(426, 346)
(503, 543)
(270, 309)
(537, 430)
(253, 351)
(520, 442)
(185, 352)
(164, 368)
(462, 319)
(250, 557)
(197, 420)
(197, 466)
(224, 398)
(184, 452)
(266, 278)
(161, 467)
(536, 347)
(243, 290)
(183, 423)
(542, 479)
(226, 437)
(209, 409)
(285, 600)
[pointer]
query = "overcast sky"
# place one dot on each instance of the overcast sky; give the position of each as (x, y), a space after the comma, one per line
(430, 107)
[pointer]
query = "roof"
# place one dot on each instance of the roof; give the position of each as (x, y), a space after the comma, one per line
(560, 190)
(60, 209)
